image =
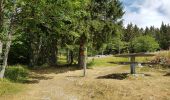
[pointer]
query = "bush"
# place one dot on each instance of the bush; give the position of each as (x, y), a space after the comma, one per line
(16, 73)
(145, 44)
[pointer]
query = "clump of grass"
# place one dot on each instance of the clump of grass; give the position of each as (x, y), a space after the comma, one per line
(144, 69)
(16, 73)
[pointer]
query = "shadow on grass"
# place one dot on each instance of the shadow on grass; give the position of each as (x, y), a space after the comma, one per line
(128, 63)
(119, 63)
(118, 76)
(75, 76)
(32, 79)
(41, 73)
(167, 74)
(56, 69)
(35, 78)
(122, 76)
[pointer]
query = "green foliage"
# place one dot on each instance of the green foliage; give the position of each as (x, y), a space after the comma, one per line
(16, 73)
(145, 44)
(18, 54)
(118, 45)
(164, 36)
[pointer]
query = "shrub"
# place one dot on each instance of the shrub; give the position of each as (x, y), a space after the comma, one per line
(144, 44)
(16, 73)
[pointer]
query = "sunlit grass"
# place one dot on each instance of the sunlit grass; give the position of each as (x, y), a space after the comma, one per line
(105, 61)
(8, 87)
(112, 61)
(62, 60)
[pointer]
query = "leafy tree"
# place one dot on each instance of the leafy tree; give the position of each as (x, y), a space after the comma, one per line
(145, 44)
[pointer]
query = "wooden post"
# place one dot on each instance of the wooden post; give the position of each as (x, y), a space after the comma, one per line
(85, 65)
(132, 65)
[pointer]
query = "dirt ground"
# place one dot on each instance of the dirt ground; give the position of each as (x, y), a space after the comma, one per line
(102, 83)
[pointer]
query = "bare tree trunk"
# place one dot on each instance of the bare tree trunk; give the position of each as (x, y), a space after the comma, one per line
(8, 44)
(70, 57)
(35, 51)
(9, 41)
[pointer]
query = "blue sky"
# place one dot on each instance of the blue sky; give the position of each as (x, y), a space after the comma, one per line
(146, 12)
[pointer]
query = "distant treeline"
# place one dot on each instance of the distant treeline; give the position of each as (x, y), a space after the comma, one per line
(137, 39)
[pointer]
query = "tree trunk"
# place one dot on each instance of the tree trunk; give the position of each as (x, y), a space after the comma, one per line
(36, 46)
(53, 52)
(8, 44)
(70, 57)
(9, 41)
(82, 56)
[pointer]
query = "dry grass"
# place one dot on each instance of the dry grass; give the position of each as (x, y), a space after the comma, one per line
(101, 83)
(7, 87)
(155, 86)
(71, 86)
(163, 58)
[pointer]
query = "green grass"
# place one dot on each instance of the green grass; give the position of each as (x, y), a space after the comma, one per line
(105, 61)
(8, 87)
(16, 73)
(111, 61)
(13, 81)
(143, 59)
(62, 60)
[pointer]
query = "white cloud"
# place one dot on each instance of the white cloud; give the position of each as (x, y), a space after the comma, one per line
(148, 13)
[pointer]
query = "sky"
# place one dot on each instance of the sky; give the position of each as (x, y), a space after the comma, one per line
(146, 12)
